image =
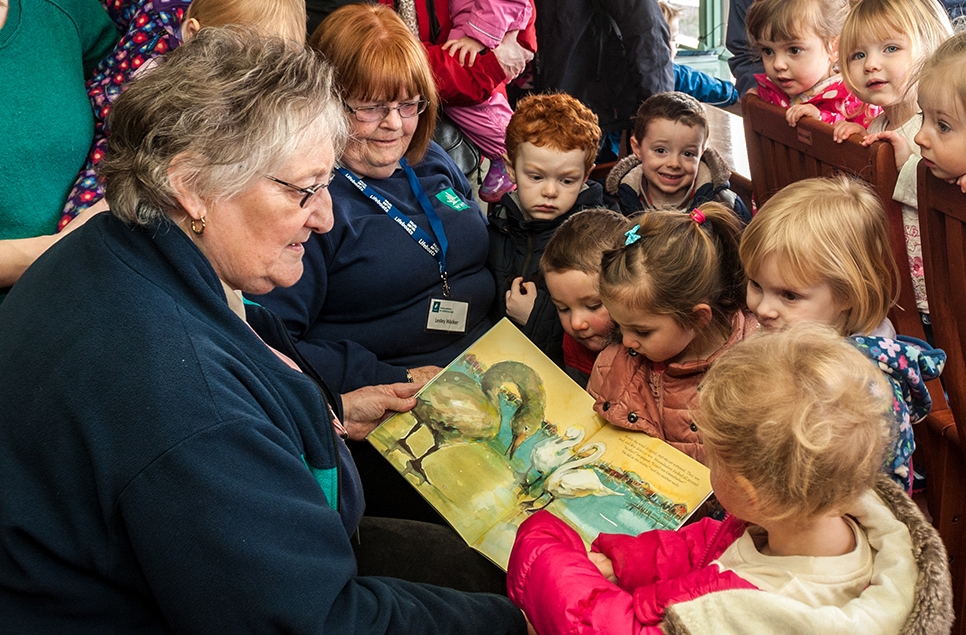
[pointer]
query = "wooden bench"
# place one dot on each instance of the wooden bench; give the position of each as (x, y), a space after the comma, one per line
(942, 220)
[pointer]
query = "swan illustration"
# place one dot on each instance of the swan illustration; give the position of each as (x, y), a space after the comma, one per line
(455, 407)
(551, 453)
(569, 481)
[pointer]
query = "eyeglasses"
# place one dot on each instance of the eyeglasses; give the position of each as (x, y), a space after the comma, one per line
(308, 191)
(371, 114)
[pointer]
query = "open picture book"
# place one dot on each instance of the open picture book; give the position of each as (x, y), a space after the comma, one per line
(503, 432)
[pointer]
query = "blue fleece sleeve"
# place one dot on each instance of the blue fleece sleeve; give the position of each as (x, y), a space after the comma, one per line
(703, 86)
(344, 365)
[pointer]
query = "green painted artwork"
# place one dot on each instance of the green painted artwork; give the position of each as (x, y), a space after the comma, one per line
(503, 432)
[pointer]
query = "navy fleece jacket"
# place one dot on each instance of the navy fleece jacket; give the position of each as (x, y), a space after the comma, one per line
(359, 312)
(164, 472)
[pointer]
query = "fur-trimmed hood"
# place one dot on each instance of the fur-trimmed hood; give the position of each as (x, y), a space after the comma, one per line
(931, 613)
(713, 169)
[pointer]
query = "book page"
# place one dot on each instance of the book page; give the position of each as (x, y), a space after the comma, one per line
(503, 432)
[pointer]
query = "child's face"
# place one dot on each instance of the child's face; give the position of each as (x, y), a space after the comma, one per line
(582, 314)
(548, 180)
(880, 70)
(655, 336)
(670, 153)
(797, 65)
(779, 304)
(942, 137)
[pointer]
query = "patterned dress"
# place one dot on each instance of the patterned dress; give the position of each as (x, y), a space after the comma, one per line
(908, 363)
(151, 29)
(831, 96)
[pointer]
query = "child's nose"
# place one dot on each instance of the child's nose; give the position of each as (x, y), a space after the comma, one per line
(577, 322)
(780, 62)
(921, 138)
(872, 63)
(767, 308)
(550, 188)
(628, 342)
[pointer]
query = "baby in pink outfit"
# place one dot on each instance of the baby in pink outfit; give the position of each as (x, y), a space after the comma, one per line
(479, 25)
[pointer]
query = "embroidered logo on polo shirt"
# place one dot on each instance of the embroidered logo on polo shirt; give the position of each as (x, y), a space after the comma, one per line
(452, 200)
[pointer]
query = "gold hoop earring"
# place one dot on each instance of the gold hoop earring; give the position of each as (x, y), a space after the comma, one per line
(198, 230)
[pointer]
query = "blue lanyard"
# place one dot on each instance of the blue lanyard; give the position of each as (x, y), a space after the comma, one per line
(435, 249)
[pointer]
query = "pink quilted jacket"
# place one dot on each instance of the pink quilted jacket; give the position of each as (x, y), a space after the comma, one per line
(561, 591)
(633, 392)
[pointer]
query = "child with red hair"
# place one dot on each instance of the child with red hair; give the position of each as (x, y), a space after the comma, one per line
(551, 143)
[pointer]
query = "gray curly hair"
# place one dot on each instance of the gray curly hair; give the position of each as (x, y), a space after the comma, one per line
(231, 105)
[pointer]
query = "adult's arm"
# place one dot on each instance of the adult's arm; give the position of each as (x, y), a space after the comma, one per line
(745, 61)
(16, 254)
(457, 85)
(233, 534)
(703, 86)
(96, 37)
(463, 85)
(646, 44)
(98, 34)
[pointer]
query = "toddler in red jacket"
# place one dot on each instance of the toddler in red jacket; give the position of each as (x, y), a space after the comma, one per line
(571, 266)
(795, 425)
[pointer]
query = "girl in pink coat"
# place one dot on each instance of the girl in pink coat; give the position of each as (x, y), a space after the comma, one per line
(794, 424)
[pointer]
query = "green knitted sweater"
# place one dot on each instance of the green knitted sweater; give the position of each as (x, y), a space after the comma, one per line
(48, 48)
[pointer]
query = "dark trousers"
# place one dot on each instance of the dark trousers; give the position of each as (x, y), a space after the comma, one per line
(423, 552)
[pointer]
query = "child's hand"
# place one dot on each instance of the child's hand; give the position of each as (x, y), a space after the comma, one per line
(961, 182)
(520, 299)
(845, 129)
(899, 144)
(796, 112)
(604, 565)
(467, 47)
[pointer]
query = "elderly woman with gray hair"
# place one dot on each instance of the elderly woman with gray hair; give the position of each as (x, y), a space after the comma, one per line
(173, 464)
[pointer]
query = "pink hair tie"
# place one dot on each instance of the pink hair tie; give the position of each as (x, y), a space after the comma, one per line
(697, 216)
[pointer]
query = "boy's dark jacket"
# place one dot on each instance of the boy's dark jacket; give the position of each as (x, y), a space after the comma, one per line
(516, 245)
(713, 185)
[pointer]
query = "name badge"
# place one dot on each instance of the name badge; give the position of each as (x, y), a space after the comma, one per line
(447, 315)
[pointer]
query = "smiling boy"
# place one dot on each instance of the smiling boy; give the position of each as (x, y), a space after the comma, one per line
(672, 165)
(551, 143)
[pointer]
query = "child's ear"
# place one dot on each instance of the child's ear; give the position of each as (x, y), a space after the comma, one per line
(702, 315)
(510, 172)
(188, 28)
(636, 148)
(751, 494)
(833, 49)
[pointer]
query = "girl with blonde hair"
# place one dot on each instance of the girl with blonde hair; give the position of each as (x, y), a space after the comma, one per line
(883, 42)
(818, 252)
